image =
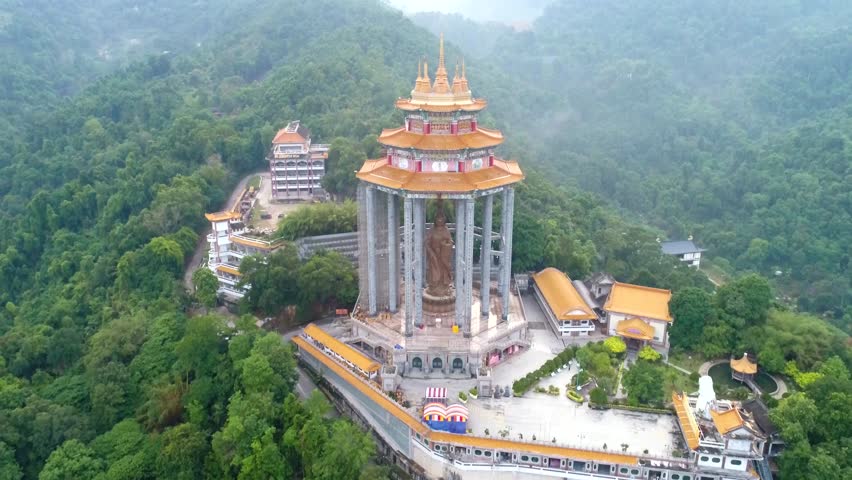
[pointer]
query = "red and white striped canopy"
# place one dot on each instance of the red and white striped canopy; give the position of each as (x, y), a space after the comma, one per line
(436, 392)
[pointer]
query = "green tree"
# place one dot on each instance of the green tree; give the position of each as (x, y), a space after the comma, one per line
(615, 345)
(597, 396)
(691, 309)
(71, 461)
(328, 279)
(182, 452)
(273, 280)
(206, 286)
(644, 383)
(9, 468)
(347, 452)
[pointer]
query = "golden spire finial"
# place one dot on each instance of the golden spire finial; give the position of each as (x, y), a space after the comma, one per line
(419, 70)
(442, 85)
(464, 77)
(441, 52)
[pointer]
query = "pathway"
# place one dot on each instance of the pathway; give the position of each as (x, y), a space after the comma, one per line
(202, 246)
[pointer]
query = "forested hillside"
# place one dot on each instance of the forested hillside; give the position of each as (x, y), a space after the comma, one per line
(103, 372)
(728, 121)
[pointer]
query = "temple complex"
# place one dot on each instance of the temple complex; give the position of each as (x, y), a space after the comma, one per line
(423, 292)
(437, 324)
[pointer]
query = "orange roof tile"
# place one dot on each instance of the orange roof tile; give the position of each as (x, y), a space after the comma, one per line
(727, 421)
(378, 172)
(411, 105)
(561, 296)
(457, 439)
(248, 242)
(357, 358)
(222, 216)
(635, 328)
(371, 392)
(284, 136)
(686, 418)
(640, 301)
(744, 365)
(480, 138)
(227, 269)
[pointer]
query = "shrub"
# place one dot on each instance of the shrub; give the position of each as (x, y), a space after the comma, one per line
(553, 390)
(474, 392)
(649, 354)
(574, 396)
(615, 345)
(598, 396)
(462, 396)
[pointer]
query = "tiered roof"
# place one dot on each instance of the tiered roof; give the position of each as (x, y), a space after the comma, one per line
(480, 138)
(378, 172)
(744, 365)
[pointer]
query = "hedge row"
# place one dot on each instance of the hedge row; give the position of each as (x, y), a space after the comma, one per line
(520, 387)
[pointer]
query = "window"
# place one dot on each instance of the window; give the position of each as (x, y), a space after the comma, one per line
(623, 470)
(534, 459)
(437, 363)
(715, 460)
(675, 476)
(477, 452)
(417, 362)
(704, 458)
(458, 363)
(487, 453)
(525, 458)
(736, 462)
(635, 471)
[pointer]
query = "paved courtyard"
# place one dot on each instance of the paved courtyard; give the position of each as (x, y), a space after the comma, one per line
(548, 417)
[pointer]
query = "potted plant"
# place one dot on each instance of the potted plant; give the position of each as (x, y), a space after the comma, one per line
(574, 396)
(474, 393)
(462, 397)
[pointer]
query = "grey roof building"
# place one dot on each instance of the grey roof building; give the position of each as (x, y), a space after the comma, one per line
(685, 250)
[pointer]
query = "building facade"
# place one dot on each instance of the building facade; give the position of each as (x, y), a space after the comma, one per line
(567, 312)
(640, 315)
(684, 250)
(296, 165)
(229, 242)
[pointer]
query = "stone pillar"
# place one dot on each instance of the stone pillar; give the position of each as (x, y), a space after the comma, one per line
(393, 254)
(371, 250)
(417, 259)
(408, 252)
(506, 264)
(468, 265)
(485, 255)
(458, 275)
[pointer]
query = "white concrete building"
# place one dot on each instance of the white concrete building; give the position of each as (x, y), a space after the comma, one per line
(229, 244)
(684, 250)
(296, 165)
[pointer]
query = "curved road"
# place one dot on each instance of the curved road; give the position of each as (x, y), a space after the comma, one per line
(201, 248)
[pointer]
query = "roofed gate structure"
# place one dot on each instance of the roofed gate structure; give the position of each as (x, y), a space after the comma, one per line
(417, 281)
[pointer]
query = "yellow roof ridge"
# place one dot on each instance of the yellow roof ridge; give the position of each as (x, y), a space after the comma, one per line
(727, 421)
(561, 296)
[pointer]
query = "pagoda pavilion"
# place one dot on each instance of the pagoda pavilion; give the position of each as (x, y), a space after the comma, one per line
(433, 293)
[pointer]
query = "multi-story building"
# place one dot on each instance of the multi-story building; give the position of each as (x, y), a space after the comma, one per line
(566, 310)
(230, 242)
(296, 165)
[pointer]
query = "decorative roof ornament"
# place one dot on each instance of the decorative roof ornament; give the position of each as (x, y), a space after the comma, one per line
(464, 86)
(422, 83)
(442, 84)
(457, 84)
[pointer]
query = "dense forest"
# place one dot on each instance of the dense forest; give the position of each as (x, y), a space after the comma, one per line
(108, 371)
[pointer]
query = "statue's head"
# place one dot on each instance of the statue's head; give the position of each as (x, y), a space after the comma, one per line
(440, 219)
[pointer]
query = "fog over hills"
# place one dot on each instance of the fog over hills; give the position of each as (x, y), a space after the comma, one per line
(504, 11)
